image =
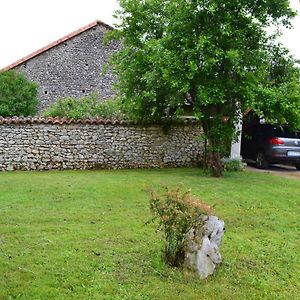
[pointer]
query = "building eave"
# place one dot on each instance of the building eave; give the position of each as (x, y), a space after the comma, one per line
(56, 43)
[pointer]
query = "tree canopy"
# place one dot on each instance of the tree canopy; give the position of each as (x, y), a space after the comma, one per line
(216, 54)
(18, 96)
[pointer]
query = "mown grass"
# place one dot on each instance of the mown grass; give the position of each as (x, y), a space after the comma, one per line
(81, 235)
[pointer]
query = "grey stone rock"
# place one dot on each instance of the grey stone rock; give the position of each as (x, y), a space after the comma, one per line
(203, 246)
(10, 167)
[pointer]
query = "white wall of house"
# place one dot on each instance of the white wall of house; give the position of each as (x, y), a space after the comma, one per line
(236, 145)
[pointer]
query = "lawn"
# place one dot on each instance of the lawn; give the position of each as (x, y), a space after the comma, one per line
(82, 235)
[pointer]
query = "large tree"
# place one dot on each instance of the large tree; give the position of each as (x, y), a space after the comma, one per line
(216, 54)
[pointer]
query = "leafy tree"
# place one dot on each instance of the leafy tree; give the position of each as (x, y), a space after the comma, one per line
(215, 53)
(279, 99)
(18, 96)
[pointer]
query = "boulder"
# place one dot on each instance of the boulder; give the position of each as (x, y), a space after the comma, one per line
(203, 241)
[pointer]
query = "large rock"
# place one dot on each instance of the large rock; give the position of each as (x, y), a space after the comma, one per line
(203, 243)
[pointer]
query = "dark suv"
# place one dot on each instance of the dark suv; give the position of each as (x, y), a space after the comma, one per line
(269, 144)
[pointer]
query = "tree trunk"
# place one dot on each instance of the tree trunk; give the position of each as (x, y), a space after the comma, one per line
(212, 160)
(215, 164)
(218, 131)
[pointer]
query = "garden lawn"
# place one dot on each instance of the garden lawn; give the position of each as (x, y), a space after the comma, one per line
(82, 235)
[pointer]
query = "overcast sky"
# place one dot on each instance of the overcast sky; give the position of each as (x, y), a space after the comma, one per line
(27, 25)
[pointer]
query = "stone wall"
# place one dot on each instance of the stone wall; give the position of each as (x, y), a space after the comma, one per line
(73, 68)
(44, 144)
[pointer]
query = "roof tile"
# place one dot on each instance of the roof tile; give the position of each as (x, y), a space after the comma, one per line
(58, 121)
(88, 121)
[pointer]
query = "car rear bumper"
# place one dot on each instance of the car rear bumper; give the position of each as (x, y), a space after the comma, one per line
(286, 154)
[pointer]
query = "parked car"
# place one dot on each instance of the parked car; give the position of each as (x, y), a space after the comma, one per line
(271, 144)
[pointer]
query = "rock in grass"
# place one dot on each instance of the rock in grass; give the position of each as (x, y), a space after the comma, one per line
(203, 243)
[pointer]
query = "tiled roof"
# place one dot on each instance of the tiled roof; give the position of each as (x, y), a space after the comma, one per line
(88, 121)
(56, 43)
(57, 121)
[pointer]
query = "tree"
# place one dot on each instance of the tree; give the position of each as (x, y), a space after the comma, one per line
(216, 53)
(18, 96)
(279, 99)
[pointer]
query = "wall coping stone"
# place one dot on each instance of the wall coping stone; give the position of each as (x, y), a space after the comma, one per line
(88, 121)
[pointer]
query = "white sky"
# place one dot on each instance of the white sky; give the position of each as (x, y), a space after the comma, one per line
(28, 25)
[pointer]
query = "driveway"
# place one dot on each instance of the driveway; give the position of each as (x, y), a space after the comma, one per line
(279, 170)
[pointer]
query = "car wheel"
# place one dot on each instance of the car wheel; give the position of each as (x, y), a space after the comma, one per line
(297, 165)
(261, 161)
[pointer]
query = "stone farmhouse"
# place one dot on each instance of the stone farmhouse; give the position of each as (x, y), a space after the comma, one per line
(71, 66)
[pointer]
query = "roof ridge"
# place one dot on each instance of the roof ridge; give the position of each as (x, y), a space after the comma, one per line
(56, 43)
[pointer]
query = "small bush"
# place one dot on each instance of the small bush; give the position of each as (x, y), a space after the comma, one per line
(233, 165)
(18, 96)
(84, 107)
(177, 212)
(109, 109)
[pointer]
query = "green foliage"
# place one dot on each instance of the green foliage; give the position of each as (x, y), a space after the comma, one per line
(177, 211)
(217, 54)
(84, 107)
(18, 96)
(280, 96)
(235, 165)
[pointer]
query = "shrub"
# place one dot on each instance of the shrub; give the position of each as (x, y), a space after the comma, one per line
(177, 212)
(233, 165)
(84, 107)
(109, 109)
(18, 96)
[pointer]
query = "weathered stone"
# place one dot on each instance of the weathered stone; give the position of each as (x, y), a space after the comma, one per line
(84, 146)
(10, 167)
(203, 246)
(73, 68)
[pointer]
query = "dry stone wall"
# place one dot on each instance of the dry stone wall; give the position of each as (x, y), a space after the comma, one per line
(47, 145)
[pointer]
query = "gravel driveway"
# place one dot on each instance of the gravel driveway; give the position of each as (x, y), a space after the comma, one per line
(279, 170)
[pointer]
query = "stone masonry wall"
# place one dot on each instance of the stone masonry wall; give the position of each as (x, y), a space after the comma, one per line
(45, 146)
(73, 68)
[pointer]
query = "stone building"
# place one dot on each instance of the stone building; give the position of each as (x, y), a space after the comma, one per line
(71, 66)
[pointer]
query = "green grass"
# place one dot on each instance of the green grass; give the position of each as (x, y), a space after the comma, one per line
(81, 235)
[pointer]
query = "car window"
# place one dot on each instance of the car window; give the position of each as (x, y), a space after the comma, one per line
(285, 132)
(264, 130)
